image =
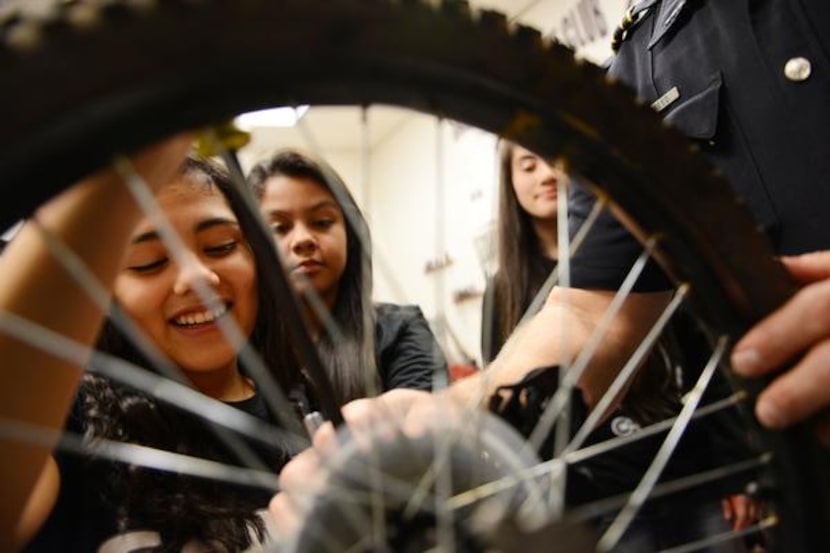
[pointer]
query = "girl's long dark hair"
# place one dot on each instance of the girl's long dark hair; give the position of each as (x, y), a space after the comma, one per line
(183, 508)
(350, 363)
(522, 268)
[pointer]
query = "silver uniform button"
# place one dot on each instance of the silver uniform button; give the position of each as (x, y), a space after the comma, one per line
(798, 69)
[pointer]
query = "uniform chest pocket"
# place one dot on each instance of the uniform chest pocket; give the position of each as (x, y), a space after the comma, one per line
(696, 115)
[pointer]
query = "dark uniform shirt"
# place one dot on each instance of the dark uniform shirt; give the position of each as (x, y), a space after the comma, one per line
(748, 81)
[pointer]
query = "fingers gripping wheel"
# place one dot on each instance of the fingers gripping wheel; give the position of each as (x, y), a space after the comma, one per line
(382, 474)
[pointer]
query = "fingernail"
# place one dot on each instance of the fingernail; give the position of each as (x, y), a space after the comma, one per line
(746, 361)
(769, 414)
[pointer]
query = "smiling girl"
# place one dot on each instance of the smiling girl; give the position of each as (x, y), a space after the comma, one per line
(112, 507)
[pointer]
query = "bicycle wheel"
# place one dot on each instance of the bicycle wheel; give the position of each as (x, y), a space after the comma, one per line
(88, 84)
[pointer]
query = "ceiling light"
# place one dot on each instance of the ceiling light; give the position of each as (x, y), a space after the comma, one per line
(274, 117)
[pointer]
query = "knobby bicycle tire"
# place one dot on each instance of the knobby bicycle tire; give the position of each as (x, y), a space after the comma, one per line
(94, 81)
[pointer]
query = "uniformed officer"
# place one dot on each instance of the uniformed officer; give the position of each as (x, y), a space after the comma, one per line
(747, 82)
(750, 83)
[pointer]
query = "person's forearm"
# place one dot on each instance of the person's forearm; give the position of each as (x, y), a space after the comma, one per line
(94, 219)
(538, 343)
(36, 388)
(543, 343)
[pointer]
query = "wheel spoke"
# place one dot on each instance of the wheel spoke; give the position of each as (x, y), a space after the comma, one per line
(553, 279)
(572, 376)
(723, 537)
(577, 455)
(563, 425)
(557, 465)
(621, 523)
(628, 371)
(139, 455)
(663, 489)
(150, 383)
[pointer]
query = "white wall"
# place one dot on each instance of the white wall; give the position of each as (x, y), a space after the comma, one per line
(407, 191)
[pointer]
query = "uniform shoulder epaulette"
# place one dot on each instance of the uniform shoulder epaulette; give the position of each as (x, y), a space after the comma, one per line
(632, 16)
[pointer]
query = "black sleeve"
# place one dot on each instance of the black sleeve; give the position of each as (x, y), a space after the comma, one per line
(79, 522)
(490, 316)
(407, 353)
(608, 251)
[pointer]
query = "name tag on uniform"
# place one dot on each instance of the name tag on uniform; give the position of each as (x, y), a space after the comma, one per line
(666, 99)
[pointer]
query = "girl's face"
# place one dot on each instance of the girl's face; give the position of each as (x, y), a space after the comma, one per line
(159, 293)
(310, 231)
(535, 183)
